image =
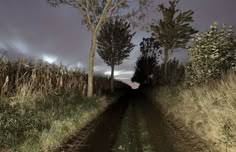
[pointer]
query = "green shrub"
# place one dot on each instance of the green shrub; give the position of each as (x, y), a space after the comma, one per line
(211, 55)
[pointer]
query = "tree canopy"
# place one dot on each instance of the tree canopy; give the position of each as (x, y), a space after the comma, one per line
(114, 43)
(147, 62)
(95, 13)
(174, 29)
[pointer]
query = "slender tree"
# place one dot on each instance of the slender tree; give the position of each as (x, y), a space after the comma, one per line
(94, 13)
(174, 30)
(114, 43)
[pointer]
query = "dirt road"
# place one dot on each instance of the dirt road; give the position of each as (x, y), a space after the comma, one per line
(102, 133)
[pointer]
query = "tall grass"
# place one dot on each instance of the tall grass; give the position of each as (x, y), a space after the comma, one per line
(210, 110)
(21, 79)
(43, 125)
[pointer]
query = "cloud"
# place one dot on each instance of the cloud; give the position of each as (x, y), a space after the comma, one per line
(33, 29)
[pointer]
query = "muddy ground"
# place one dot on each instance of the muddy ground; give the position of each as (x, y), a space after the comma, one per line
(100, 135)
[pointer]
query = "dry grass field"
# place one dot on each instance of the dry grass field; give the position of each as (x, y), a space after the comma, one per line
(41, 104)
(209, 110)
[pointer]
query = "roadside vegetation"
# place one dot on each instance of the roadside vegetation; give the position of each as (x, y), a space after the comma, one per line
(205, 99)
(42, 104)
(208, 110)
(201, 93)
(43, 125)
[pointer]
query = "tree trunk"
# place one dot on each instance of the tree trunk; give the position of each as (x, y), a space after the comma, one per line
(93, 47)
(91, 64)
(112, 78)
(166, 58)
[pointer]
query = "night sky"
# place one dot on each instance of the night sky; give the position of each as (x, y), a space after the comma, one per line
(33, 29)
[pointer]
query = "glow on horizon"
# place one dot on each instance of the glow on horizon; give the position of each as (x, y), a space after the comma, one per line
(80, 65)
(21, 47)
(2, 46)
(49, 59)
(119, 73)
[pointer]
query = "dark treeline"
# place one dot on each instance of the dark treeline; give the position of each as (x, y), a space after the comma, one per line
(150, 72)
(211, 54)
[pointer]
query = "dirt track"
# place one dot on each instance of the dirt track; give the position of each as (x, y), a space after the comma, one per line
(168, 135)
(165, 136)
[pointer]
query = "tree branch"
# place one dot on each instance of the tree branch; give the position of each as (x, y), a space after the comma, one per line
(104, 12)
(116, 5)
(88, 17)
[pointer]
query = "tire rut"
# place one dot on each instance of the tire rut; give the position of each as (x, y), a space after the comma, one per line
(100, 134)
(168, 135)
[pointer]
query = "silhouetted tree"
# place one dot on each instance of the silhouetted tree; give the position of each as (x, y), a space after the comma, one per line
(174, 30)
(114, 43)
(144, 70)
(147, 62)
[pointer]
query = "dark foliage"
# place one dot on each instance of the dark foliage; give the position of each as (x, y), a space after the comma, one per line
(114, 43)
(174, 30)
(147, 62)
(175, 73)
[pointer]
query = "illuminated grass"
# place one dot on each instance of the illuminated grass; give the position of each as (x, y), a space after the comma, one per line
(42, 126)
(133, 135)
(209, 110)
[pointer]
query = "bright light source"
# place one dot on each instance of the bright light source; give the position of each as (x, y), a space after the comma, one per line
(118, 73)
(80, 65)
(49, 59)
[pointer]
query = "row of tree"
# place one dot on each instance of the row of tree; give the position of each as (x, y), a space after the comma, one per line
(170, 33)
(111, 36)
(211, 54)
(95, 13)
(149, 71)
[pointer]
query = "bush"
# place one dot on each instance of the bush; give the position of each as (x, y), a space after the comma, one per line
(212, 54)
(175, 74)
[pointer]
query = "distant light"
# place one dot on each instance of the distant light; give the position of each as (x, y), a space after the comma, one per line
(80, 65)
(49, 59)
(118, 73)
